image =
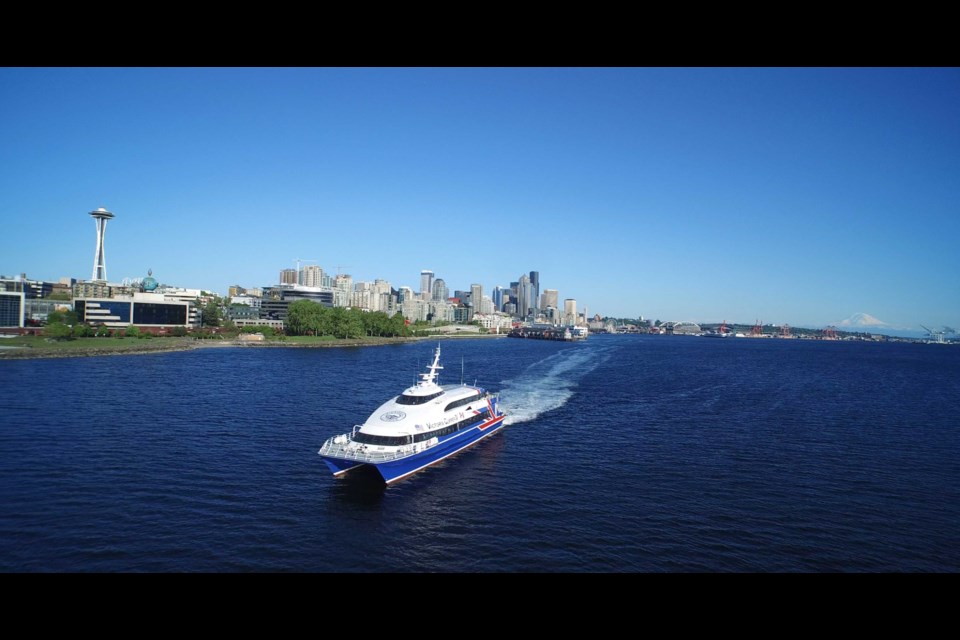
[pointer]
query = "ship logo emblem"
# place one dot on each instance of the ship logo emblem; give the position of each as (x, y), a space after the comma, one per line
(393, 416)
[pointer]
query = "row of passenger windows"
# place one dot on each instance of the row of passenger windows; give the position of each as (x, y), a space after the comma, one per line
(396, 441)
(403, 399)
(460, 403)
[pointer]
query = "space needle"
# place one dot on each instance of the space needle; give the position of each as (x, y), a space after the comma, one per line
(100, 216)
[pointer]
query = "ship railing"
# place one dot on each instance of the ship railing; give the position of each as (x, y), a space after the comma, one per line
(344, 448)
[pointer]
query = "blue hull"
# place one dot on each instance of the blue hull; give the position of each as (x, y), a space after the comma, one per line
(398, 469)
(340, 467)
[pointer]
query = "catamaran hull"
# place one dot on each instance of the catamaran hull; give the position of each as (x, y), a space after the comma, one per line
(394, 470)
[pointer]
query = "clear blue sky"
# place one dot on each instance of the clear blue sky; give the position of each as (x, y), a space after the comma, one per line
(788, 195)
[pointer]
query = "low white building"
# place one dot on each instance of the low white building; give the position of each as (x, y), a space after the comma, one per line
(494, 321)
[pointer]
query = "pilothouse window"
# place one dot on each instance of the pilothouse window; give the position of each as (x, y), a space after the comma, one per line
(405, 399)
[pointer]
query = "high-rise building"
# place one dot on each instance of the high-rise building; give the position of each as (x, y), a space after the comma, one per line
(570, 311)
(440, 291)
(476, 298)
(100, 216)
(549, 298)
(498, 298)
(404, 294)
(486, 305)
(288, 276)
(426, 284)
(524, 292)
(312, 276)
(342, 288)
(534, 290)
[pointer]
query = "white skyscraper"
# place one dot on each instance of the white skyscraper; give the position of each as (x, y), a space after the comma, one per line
(100, 216)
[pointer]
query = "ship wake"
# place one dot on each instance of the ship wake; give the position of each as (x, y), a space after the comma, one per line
(548, 384)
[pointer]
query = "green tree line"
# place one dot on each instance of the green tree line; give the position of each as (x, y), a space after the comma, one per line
(309, 318)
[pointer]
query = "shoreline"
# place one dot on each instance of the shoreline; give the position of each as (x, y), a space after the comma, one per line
(145, 347)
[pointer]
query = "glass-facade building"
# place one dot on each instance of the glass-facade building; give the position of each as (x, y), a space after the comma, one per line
(115, 312)
(11, 308)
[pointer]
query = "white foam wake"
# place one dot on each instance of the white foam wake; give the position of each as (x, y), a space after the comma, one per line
(548, 384)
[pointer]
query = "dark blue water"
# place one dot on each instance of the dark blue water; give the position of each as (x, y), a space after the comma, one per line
(624, 454)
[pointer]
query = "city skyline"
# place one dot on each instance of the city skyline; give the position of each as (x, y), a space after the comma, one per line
(792, 196)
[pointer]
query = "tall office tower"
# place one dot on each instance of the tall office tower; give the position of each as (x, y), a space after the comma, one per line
(288, 276)
(498, 298)
(404, 294)
(570, 311)
(476, 295)
(523, 296)
(312, 276)
(426, 284)
(100, 217)
(534, 290)
(549, 298)
(440, 291)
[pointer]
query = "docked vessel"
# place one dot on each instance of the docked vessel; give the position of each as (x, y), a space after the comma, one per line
(420, 427)
(550, 332)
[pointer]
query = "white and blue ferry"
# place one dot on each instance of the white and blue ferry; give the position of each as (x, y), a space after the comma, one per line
(423, 425)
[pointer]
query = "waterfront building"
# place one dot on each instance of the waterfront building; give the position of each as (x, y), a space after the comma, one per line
(12, 309)
(150, 310)
(259, 322)
(37, 310)
(494, 321)
(276, 300)
(31, 288)
(241, 311)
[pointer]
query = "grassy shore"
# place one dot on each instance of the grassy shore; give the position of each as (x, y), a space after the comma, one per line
(40, 347)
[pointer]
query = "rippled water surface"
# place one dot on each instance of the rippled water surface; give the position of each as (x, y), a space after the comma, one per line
(623, 453)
